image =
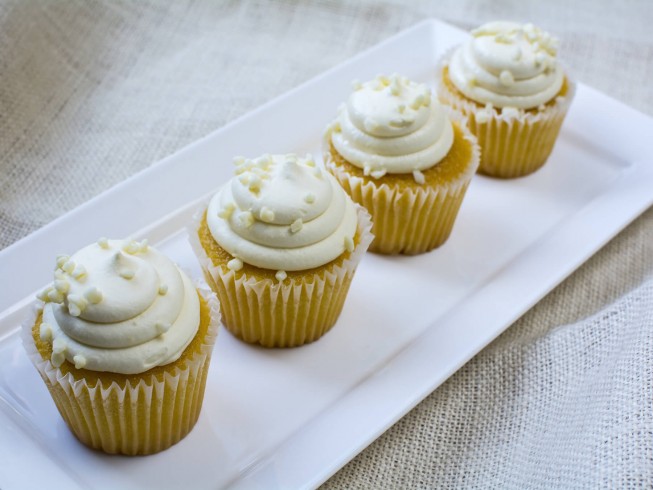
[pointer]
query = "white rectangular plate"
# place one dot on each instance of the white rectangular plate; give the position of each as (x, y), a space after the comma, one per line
(291, 418)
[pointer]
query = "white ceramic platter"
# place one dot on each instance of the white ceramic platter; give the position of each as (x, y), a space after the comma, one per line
(291, 418)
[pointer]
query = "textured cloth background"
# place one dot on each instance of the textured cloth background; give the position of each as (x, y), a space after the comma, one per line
(92, 92)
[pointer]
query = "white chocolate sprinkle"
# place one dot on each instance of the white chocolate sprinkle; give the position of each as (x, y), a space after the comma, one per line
(419, 177)
(246, 219)
(377, 174)
(103, 242)
(61, 260)
(417, 102)
(482, 116)
(235, 264)
(79, 271)
(281, 275)
(254, 183)
(510, 112)
(76, 304)
(45, 332)
(266, 214)
(57, 359)
(227, 211)
(55, 296)
(62, 286)
(395, 87)
(163, 289)
(309, 198)
(69, 266)
(349, 244)
(43, 295)
(59, 346)
(80, 361)
(506, 78)
(239, 160)
(132, 247)
(264, 161)
(93, 295)
(296, 225)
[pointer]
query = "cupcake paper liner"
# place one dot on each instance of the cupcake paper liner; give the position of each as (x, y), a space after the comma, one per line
(513, 144)
(136, 418)
(411, 220)
(281, 314)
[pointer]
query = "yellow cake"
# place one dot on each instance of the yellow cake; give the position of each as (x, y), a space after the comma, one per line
(514, 94)
(404, 160)
(278, 287)
(140, 398)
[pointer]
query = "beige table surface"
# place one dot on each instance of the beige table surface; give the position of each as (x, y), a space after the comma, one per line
(92, 92)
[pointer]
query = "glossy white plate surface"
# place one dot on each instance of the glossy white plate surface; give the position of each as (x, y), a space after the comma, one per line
(291, 418)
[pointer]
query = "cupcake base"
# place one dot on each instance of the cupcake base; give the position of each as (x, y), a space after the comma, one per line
(259, 309)
(513, 143)
(130, 414)
(410, 218)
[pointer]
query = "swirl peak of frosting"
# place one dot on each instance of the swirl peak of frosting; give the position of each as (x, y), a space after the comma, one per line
(281, 212)
(392, 125)
(507, 64)
(119, 306)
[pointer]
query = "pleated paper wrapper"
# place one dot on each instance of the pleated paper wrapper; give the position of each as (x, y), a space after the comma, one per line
(411, 220)
(275, 313)
(515, 143)
(134, 419)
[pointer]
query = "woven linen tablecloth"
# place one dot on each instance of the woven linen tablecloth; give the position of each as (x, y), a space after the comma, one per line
(92, 92)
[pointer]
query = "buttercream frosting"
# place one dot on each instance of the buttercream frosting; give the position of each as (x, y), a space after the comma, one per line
(392, 125)
(119, 306)
(507, 64)
(281, 212)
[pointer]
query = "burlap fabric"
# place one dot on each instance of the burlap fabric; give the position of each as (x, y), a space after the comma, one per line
(92, 92)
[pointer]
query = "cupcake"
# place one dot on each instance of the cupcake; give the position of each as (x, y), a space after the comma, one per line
(508, 83)
(123, 341)
(279, 244)
(395, 151)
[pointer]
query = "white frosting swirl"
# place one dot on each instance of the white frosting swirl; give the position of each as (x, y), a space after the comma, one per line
(282, 212)
(392, 125)
(508, 65)
(119, 306)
